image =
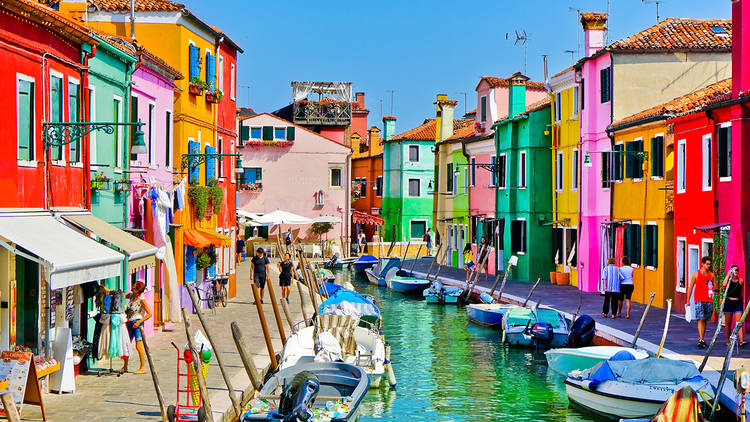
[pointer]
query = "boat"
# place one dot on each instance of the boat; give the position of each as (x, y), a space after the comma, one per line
(488, 314)
(527, 327)
(404, 283)
(329, 289)
(442, 294)
(385, 270)
(566, 360)
(341, 390)
(351, 303)
(635, 388)
(682, 406)
(338, 262)
(364, 262)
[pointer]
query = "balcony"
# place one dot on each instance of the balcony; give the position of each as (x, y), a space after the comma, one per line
(322, 103)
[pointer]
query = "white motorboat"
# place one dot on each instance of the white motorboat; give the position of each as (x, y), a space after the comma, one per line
(632, 389)
(565, 360)
(527, 327)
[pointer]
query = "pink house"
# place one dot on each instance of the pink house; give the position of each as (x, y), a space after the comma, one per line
(290, 168)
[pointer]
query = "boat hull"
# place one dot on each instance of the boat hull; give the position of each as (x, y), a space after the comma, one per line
(565, 360)
(408, 284)
(374, 278)
(490, 315)
(364, 262)
(447, 300)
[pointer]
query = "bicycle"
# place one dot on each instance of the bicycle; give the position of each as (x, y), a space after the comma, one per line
(207, 296)
(220, 290)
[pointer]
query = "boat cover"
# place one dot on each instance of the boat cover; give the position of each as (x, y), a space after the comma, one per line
(642, 371)
(329, 289)
(521, 316)
(347, 302)
(683, 406)
(366, 258)
(447, 290)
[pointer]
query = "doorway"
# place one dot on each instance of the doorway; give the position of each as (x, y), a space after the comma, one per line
(694, 258)
(27, 308)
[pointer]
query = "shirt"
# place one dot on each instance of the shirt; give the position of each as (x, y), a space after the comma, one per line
(612, 278)
(286, 271)
(627, 274)
(468, 256)
(240, 245)
(702, 287)
(259, 265)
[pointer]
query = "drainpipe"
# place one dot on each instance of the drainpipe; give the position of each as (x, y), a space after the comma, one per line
(348, 202)
(85, 149)
(714, 174)
(132, 19)
(131, 68)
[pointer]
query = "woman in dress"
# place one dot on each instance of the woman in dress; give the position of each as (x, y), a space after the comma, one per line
(137, 312)
(286, 276)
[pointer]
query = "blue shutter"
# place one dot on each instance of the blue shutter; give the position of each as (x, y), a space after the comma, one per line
(210, 164)
(189, 264)
(194, 173)
(195, 67)
(211, 71)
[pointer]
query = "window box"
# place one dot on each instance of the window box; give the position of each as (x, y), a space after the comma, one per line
(122, 185)
(195, 89)
(99, 182)
(252, 187)
(214, 97)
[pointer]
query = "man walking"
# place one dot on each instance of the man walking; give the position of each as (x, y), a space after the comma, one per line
(259, 268)
(705, 287)
(240, 247)
(427, 238)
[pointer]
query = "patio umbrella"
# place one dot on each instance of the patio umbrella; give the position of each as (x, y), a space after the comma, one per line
(326, 219)
(282, 217)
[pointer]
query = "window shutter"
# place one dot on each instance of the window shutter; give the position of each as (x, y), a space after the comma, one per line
(604, 78)
(654, 246)
(210, 164)
(657, 156)
(194, 173)
(268, 133)
(25, 120)
(211, 71)
(244, 133)
(189, 264)
(583, 93)
(290, 133)
(606, 174)
(195, 68)
(636, 244)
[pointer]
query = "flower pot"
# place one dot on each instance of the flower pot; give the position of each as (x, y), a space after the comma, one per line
(553, 277)
(212, 98)
(195, 89)
(563, 279)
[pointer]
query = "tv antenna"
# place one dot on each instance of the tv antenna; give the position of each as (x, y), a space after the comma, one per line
(392, 93)
(248, 93)
(572, 56)
(578, 27)
(521, 39)
(656, 2)
(464, 94)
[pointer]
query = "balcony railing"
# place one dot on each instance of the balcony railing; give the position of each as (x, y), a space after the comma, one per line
(328, 113)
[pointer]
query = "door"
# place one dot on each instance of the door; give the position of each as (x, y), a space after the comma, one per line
(694, 258)
(27, 308)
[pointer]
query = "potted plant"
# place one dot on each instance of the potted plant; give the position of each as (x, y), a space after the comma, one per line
(214, 97)
(198, 197)
(197, 86)
(123, 184)
(99, 181)
(215, 196)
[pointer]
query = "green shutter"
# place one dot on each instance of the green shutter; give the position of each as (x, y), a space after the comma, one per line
(25, 120)
(244, 133)
(290, 133)
(56, 92)
(636, 244)
(268, 133)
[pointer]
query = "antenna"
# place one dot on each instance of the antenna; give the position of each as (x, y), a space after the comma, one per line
(392, 93)
(656, 2)
(464, 101)
(546, 72)
(380, 100)
(521, 39)
(248, 93)
(572, 55)
(578, 27)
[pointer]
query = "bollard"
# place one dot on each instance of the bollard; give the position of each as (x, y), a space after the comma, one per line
(154, 377)
(264, 327)
(197, 367)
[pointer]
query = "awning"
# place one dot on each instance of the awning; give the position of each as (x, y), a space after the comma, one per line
(712, 227)
(202, 238)
(72, 257)
(364, 218)
(217, 239)
(140, 254)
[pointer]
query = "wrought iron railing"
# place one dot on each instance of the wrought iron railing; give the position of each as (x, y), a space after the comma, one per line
(334, 113)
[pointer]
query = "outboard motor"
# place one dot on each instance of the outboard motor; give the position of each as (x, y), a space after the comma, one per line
(297, 398)
(333, 260)
(581, 332)
(542, 333)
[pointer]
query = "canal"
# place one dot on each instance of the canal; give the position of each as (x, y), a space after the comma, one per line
(450, 370)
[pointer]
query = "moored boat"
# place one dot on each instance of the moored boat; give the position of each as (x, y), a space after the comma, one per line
(487, 314)
(364, 262)
(386, 269)
(565, 360)
(527, 327)
(351, 303)
(407, 284)
(441, 294)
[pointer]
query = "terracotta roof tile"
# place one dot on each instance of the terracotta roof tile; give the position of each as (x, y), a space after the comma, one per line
(562, 72)
(140, 5)
(539, 105)
(495, 82)
(681, 34)
(593, 20)
(50, 19)
(462, 132)
(686, 104)
(426, 131)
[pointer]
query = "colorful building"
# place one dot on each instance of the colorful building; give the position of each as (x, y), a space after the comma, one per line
(566, 170)
(613, 87)
(524, 194)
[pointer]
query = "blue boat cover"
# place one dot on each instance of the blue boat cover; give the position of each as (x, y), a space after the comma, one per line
(447, 290)
(346, 299)
(622, 355)
(366, 258)
(329, 289)
(486, 298)
(643, 371)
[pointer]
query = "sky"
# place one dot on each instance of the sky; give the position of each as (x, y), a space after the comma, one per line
(416, 48)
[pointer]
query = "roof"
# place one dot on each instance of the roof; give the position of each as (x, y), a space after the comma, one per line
(140, 5)
(681, 34)
(426, 131)
(539, 105)
(686, 104)
(50, 19)
(462, 132)
(243, 118)
(593, 20)
(495, 82)
(562, 72)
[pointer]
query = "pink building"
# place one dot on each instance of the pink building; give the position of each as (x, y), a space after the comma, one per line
(290, 168)
(492, 100)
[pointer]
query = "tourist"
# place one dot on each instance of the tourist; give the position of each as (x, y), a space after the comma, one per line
(362, 242)
(137, 313)
(702, 281)
(483, 259)
(240, 246)
(427, 239)
(259, 268)
(286, 276)
(611, 278)
(288, 238)
(468, 260)
(626, 287)
(733, 302)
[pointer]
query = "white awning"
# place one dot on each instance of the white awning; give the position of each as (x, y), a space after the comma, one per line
(71, 257)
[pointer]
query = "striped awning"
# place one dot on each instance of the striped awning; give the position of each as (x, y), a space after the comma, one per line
(359, 217)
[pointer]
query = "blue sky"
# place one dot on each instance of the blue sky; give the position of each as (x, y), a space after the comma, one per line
(418, 48)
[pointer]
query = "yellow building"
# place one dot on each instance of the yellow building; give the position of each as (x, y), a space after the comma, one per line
(566, 170)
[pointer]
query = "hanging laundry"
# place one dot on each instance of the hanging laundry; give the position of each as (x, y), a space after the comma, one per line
(69, 303)
(180, 194)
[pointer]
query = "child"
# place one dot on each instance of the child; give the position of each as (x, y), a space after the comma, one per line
(468, 260)
(611, 278)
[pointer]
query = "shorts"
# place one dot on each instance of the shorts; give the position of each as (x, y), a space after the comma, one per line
(733, 306)
(627, 290)
(704, 310)
(134, 333)
(285, 281)
(469, 264)
(429, 246)
(259, 280)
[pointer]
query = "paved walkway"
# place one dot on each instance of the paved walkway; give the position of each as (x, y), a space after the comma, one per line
(131, 397)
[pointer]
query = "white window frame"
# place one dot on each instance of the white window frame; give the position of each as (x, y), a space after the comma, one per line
(120, 144)
(20, 162)
(220, 73)
(574, 163)
(504, 170)
(77, 83)
(707, 164)
(704, 246)
(522, 169)
(330, 177)
(56, 74)
(275, 128)
(473, 172)
(92, 135)
(643, 253)
(424, 220)
(576, 102)
(525, 237)
(232, 174)
(220, 161)
(559, 172)
(558, 107)
(381, 187)
(681, 166)
(728, 178)
(684, 265)
(233, 81)
(151, 132)
(170, 128)
(408, 152)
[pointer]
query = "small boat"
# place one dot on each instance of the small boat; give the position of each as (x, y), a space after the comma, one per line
(364, 262)
(404, 283)
(340, 389)
(338, 262)
(386, 269)
(488, 314)
(682, 406)
(566, 360)
(351, 303)
(527, 327)
(442, 294)
(329, 289)
(635, 388)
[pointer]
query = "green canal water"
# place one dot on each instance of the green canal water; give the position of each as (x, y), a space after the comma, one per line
(450, 370)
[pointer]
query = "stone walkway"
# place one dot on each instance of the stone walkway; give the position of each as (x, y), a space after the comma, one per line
(131, 397)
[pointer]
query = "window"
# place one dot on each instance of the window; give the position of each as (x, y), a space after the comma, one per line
(605, 76)
(256, 133)
(681, 261)
(379, 186)
(559, 175)
(574, 170)
(466, 180)
(363, 188)
(25, 99)
(583, 93)
(707, 248)
(56, 112)
(151, 140)
(571, 250)
(168, 139)
(210, 164)
(74, 110)
(220, 74)
(502, 172)
(522, 169)
(557, 245)
(681, 156)
(576, 100)
(134, 118)
(725, 152)
(633, 160)
(518, 236)
(231, 173)
(449, 178)
(417, 229)
(606, 171)
(473, 177)
(252, 175)
(232, 78)
(195, 64)
(335, 177)
(413, 153)
(558, 107)
(220, 160)
(117, 135)
(279, 134)
(707, 170)
(657, 156)
(454, 182)
(651, 245)
(632, 243)
(483, 106)
(92, 118)
(618, 156)
(211, 71)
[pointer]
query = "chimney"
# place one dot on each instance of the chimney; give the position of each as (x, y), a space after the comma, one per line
(360, 99)
(376, 146)
(740, 66)
(444, 117)
(389, 127)
(594, 25)
(73, 9)
(517, 94)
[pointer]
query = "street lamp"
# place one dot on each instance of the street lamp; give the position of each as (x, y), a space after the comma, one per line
(55, 134)
(138, 145)
(238, 165)
(195, 159)
(643, 155)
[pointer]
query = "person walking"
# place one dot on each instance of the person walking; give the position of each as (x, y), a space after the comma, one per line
(137, 312)
(259, 268)
(483, 258)
(286, 276)
(427, 239)
(702, 281)
(611, 278)
(733, 304)
(240, 246)
(626, 287)
(362, 242)
(288, 239)
(468, 260)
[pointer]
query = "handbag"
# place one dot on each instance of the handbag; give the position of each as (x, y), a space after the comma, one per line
(689, 313)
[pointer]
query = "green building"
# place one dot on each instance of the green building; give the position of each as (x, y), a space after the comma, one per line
(524, 191)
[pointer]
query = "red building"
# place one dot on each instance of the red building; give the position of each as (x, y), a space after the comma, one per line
(41, 76)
